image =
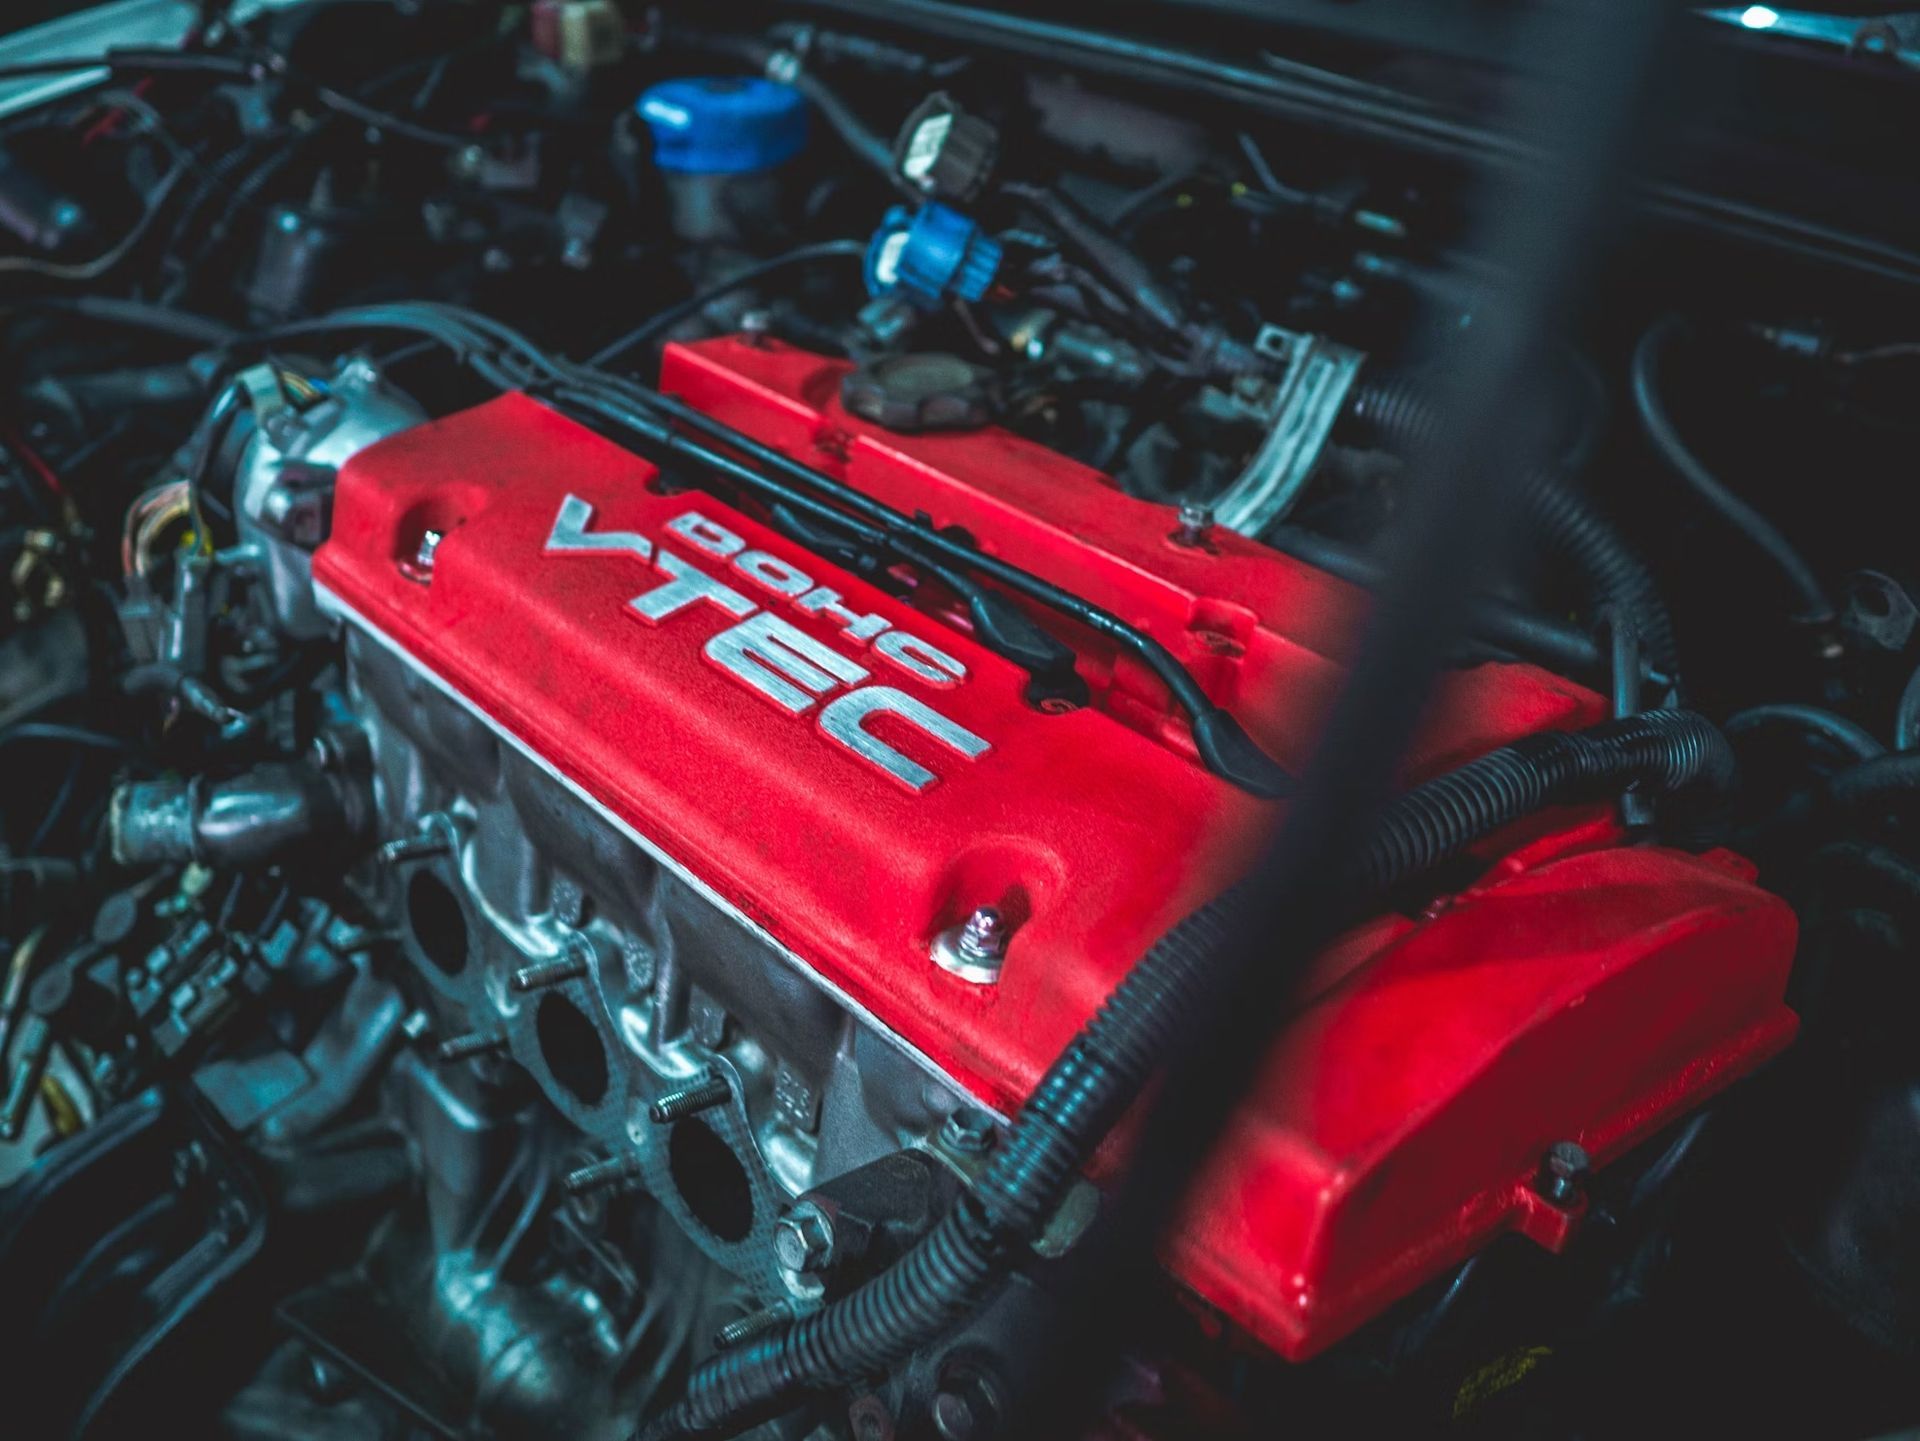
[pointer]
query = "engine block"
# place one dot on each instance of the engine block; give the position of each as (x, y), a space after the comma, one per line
(763, 817)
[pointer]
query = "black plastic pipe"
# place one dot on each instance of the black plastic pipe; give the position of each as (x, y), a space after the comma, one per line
(1398, 413)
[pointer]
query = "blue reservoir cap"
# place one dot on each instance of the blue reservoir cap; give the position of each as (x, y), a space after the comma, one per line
(931, 255)
(723, 126)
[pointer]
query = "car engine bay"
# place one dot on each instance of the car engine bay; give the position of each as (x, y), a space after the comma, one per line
(860, 720)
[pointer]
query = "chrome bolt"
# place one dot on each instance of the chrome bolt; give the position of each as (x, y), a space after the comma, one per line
(429, 544)
(359, 372)
(615, 1171)
(984, 937)
(414, 848)
(549, 973)
(690, 1100)
(964, 1410)
(479, 1043)
(803, 1239)
(747, 1327)
(1196, 521)
(975, 949)
(969, 1131)
(1563, 1173)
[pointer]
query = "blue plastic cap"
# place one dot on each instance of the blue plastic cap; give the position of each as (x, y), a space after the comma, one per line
(931, 255)
(719, 126)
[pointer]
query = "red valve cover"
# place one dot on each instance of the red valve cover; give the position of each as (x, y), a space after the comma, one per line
(1582, 990)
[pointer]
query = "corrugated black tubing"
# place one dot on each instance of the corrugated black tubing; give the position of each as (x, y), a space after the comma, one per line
(1661, 750)
(1395, 411)
(1615, 576)
(957, 1266)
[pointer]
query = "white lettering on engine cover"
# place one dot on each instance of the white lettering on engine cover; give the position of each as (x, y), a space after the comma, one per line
(773, 657)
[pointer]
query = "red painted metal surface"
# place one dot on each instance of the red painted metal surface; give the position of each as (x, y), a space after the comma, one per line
(1582, 990)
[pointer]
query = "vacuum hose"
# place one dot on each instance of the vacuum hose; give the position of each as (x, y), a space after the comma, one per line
(1815, 605)
(1396, 412)
(947, 1275)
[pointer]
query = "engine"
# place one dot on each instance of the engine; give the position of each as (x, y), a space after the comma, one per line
(585, 692)
(696, 891)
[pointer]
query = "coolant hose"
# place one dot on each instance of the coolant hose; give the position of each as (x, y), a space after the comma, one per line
(1395, 411)
(957, 1265)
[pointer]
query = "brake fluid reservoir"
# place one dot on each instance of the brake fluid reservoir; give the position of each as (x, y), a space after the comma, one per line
(724, 149)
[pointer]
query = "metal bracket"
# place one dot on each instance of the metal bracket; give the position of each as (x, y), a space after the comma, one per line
(1303, 408)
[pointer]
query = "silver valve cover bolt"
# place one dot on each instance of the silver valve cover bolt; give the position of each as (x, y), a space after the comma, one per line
(424, 554)
(975, 949)
(1195, 524)
(1563, 1174)
(984, 937)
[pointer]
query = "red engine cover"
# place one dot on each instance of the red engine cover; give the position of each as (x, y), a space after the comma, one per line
(1582, 991)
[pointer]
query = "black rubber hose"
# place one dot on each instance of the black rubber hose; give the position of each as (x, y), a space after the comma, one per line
(1116, 261)
(137, 315)
(1494, 620)
(1888, 784)
(865, 146)
(1816, 607)
(1850, 737)
(1397, 412)
(955, 1268)
(661, 321)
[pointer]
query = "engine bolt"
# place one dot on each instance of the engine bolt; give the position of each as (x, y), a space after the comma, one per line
(1563, 1174)
(974, 949)
(870, 1419)
(326, 1383)
(803, 1239)
(479, 1043)
(984, 937)
(429, 544)
(549, 973)
(414, 848)
(614, 1171)
(690, 1100)
(1195, 522)
(758, 1323)
(969, 1131)
(964, 1410)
